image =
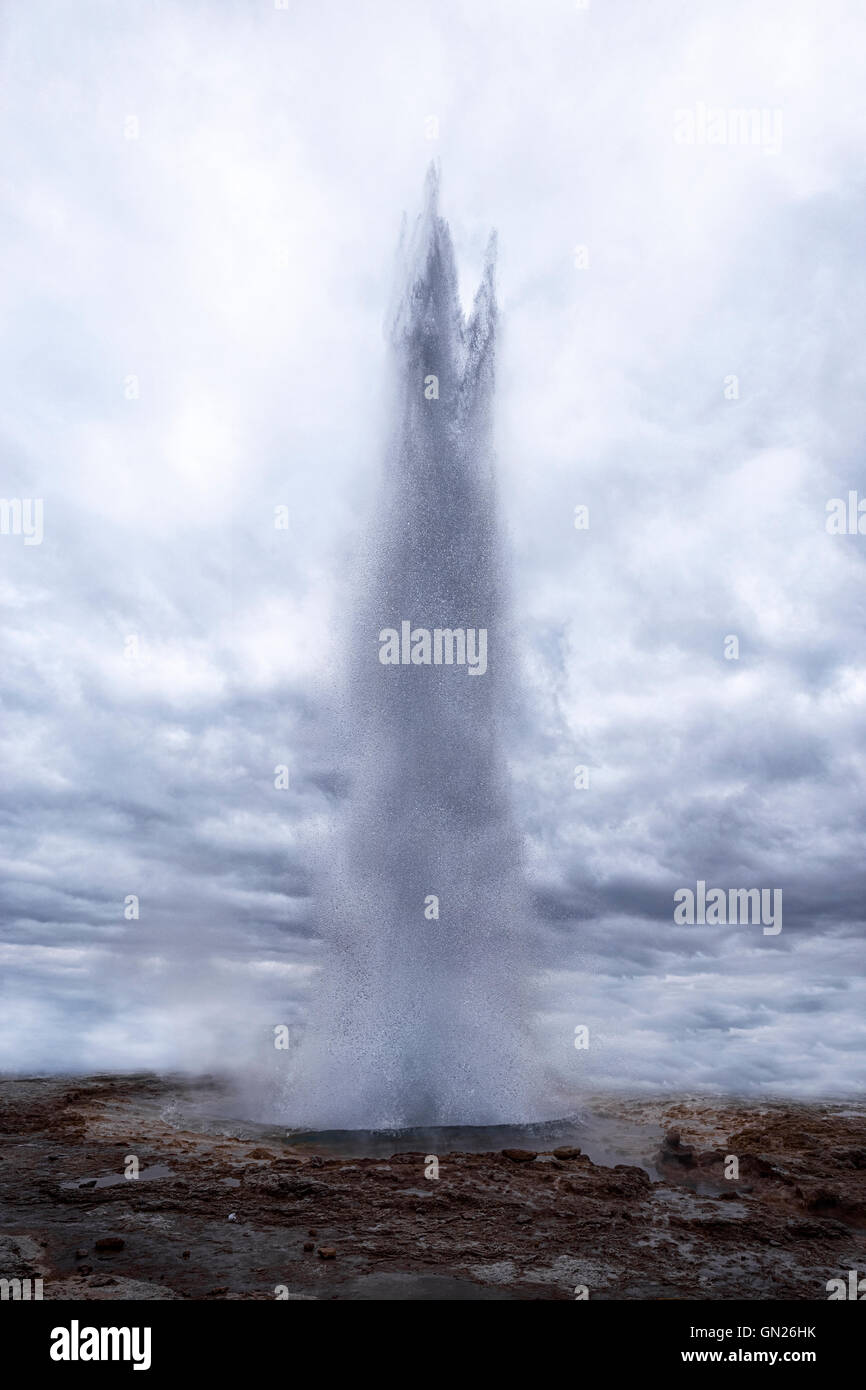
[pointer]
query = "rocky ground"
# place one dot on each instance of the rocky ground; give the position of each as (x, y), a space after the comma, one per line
(216, 1216)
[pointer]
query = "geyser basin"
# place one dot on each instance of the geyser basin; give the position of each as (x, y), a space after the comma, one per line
(607, 1135)
(244, 1207)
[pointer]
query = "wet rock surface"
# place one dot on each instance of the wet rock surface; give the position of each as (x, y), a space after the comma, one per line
(230, 1217)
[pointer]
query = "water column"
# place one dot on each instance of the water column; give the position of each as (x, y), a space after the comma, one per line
(420, 1016)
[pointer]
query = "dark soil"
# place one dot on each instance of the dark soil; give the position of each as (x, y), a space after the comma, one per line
(213, 1216)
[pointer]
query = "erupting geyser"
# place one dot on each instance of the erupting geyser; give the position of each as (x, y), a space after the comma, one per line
(421, 1014)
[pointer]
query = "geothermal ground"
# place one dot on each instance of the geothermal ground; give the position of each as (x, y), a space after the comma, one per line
(221, 1212)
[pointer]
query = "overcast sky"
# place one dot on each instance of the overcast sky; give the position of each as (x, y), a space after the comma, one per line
(201, 204)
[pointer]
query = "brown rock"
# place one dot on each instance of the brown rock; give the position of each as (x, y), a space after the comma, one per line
(520, 1155)
(566, 1153)
(711, 1158)
(850, 1158)
(327, 1252)
(675, 1155)
(309, 1245)
(755, 1166)
(109, 1244)
(823, 1199)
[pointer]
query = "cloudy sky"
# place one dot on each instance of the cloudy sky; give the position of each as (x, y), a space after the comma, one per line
(201, 202)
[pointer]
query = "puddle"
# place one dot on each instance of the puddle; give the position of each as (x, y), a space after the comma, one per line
(156, 1170)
